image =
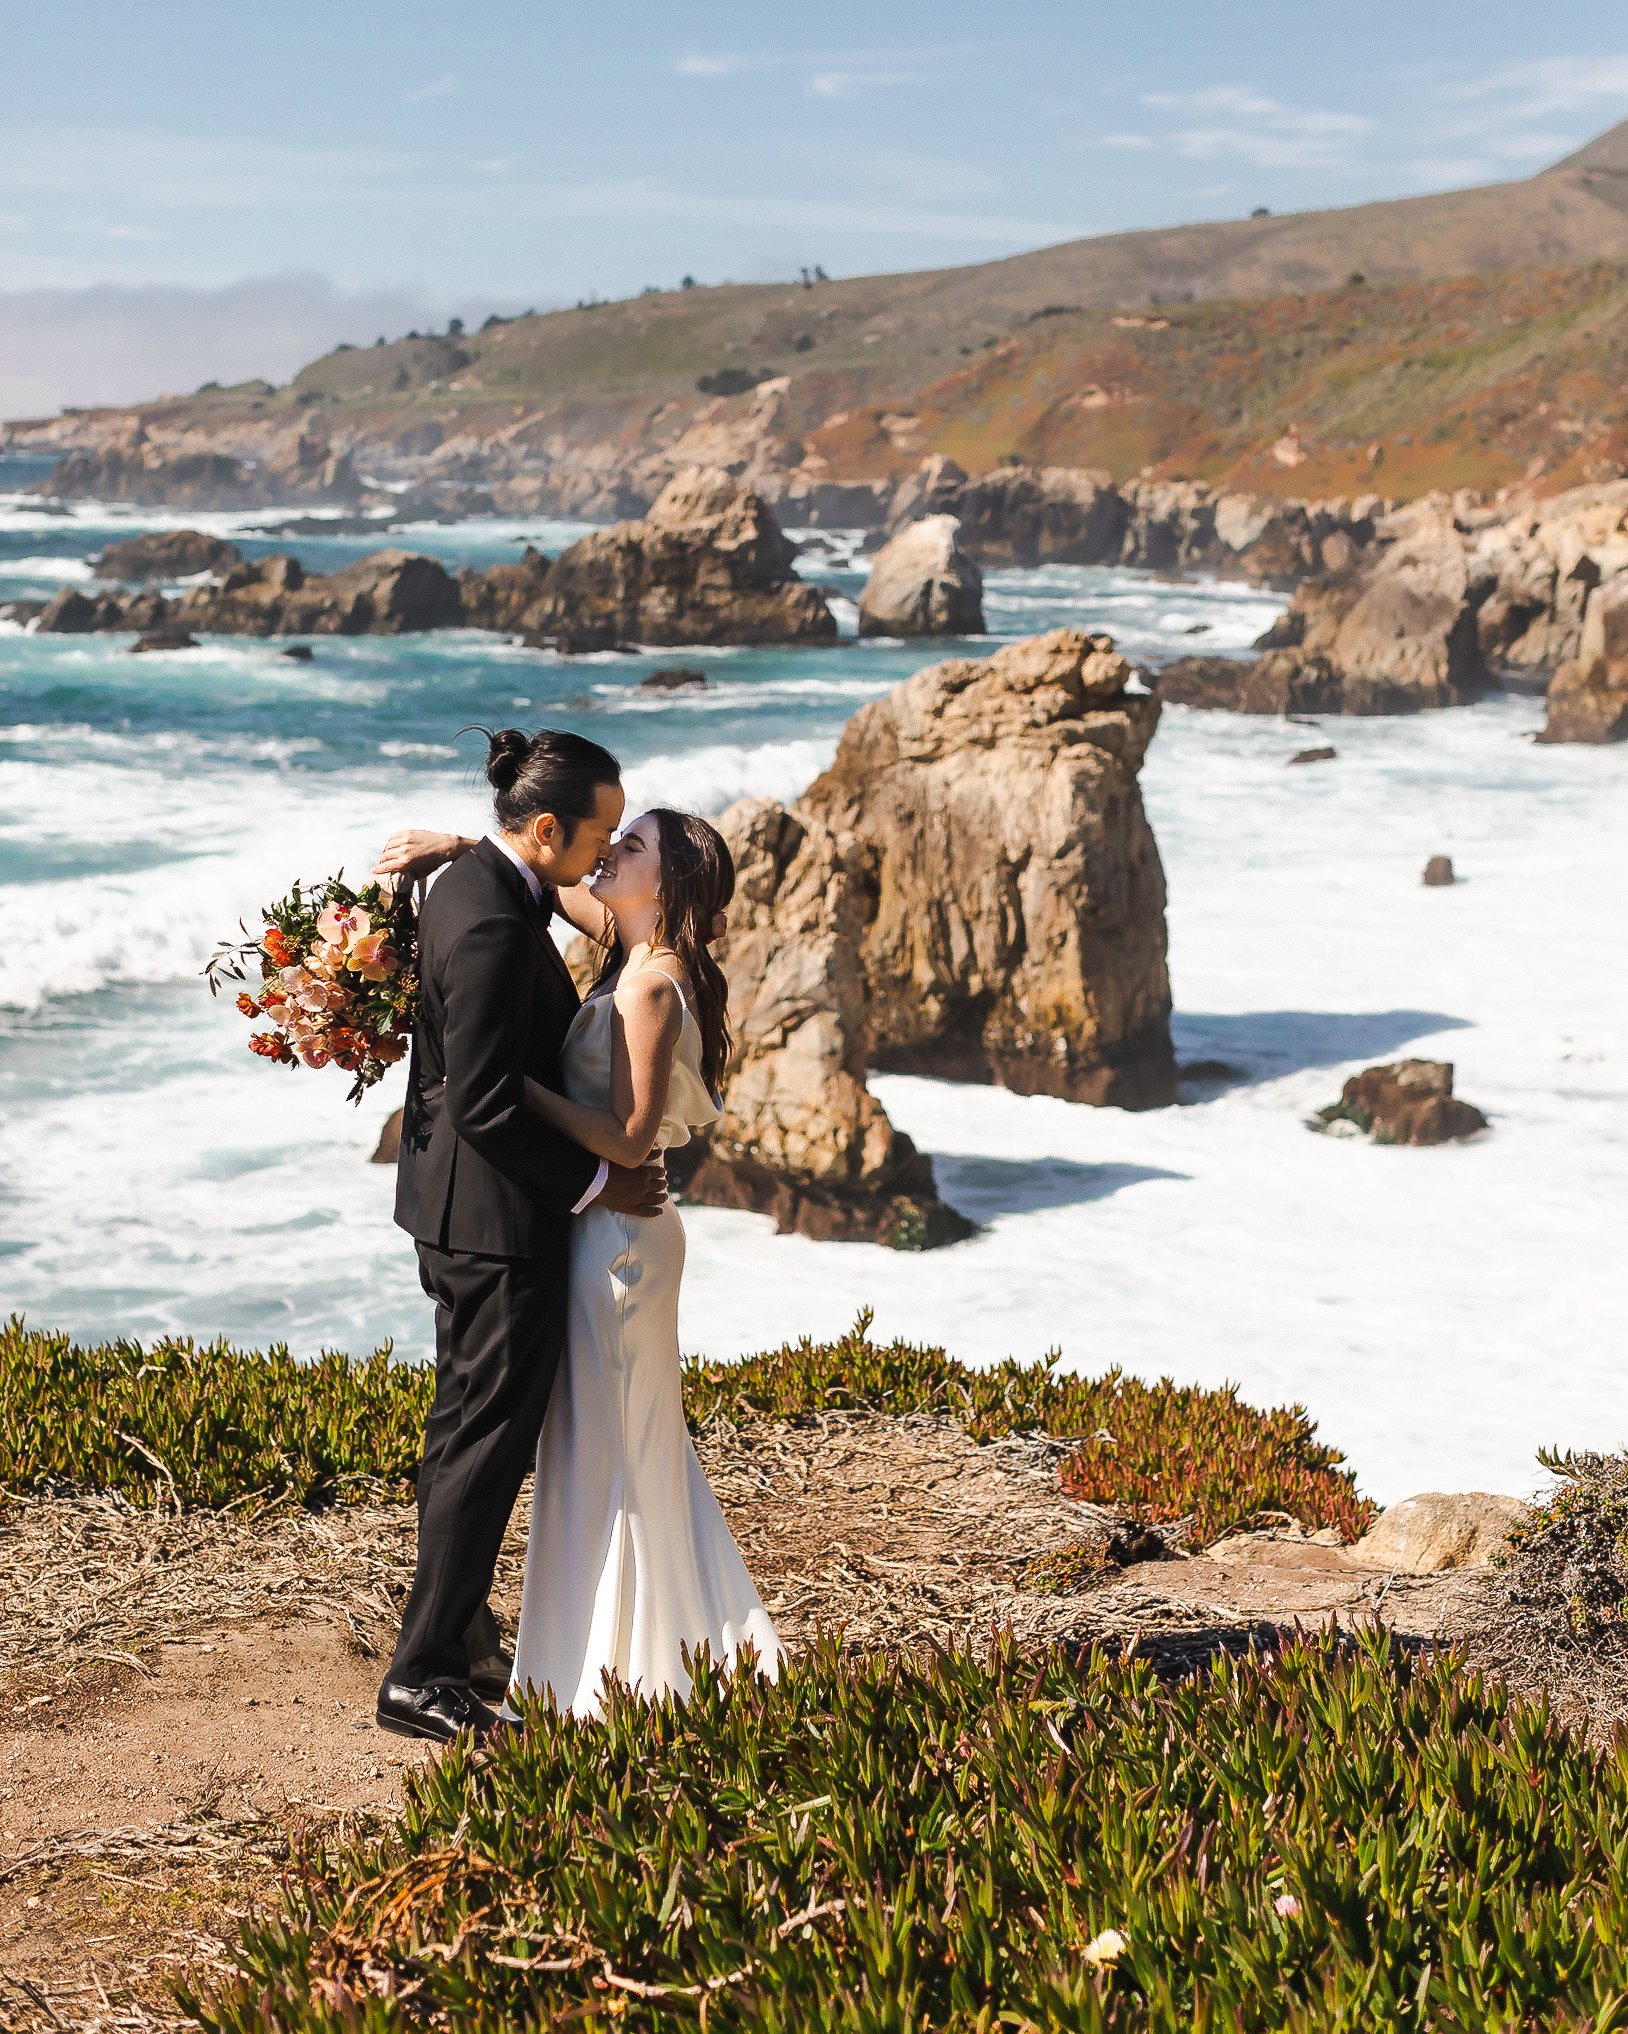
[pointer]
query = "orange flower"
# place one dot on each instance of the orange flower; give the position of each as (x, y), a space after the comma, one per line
(248, 1006)
(278, 948)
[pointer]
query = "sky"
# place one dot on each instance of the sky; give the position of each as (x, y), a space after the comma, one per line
(192, 192)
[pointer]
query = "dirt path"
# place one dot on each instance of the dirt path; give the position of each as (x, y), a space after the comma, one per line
(181, 1695)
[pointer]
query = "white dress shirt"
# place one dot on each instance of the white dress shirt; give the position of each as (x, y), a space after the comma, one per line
(534, 884)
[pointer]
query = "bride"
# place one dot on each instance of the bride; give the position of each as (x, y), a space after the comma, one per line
(630, 1560)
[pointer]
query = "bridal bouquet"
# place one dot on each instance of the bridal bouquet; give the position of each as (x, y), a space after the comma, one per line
(334, 974)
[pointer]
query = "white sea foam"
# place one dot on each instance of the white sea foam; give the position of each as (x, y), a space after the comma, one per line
(706, 780)
(57, 570)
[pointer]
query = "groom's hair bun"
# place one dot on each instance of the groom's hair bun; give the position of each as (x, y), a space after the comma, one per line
(550, 771)
(505, 757)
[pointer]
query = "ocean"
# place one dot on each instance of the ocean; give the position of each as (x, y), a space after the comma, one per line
(1441, 1313)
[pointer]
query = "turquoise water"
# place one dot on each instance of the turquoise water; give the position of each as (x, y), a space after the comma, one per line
(1440, 1312)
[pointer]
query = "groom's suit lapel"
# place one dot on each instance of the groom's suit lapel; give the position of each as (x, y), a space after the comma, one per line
(537, 916)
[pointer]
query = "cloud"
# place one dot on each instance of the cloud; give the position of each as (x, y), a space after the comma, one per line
(1233, 120)
(828, 74)
(849, 84)
(725, 64)
(1543, 85)
(439, 90)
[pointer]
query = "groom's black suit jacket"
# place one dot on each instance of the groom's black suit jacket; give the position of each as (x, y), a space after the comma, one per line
(476, 1173)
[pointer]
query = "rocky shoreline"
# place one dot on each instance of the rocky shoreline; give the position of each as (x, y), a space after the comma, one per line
(708, 565)
(1393, 609)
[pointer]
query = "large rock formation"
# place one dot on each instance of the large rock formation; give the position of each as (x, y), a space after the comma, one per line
(1453, 595)
(801, 1137)
(1395, 634)
(707, 565)
(385, 593)
(973, 891)
(1033, 515)
(1588, 698)
(922, 583)
(166, 554)
(294, 464)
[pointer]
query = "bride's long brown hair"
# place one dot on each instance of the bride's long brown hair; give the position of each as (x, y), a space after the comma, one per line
(696, 881)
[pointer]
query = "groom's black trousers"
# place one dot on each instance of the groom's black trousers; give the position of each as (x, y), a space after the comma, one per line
(499, 1331)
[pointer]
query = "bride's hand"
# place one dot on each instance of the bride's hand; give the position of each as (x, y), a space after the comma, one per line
(414, 853)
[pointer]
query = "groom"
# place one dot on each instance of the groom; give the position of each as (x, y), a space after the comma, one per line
(487, 1192)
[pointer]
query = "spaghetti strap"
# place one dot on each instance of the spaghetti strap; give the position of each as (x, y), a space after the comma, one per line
(656, 969)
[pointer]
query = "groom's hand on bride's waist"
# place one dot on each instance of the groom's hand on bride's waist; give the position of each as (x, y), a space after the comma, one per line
(635, 1189)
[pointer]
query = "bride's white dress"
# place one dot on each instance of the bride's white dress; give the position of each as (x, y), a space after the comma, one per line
(630, 1558)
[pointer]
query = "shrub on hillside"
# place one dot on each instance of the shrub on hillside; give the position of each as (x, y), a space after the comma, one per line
(205, 1426)
(1330, 1839)
(1167, 1451)
(1569, 1558)
(212, 1426)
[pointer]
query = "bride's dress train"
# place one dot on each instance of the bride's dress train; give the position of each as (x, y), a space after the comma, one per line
(630, 1558)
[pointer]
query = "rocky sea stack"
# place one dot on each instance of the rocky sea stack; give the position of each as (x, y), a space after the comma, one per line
(972, 890)
(707, 565)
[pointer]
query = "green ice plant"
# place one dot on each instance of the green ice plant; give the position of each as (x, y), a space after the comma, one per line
(1341, 1836)
(209, 1425)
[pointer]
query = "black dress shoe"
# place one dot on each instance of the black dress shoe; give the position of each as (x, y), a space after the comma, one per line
(438, 1712)
(490, 1677)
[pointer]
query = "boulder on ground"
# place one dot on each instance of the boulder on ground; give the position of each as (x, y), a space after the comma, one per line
(707, 565)
(388, 1148)
(1325, 754)
(1394, 633)
(166, 554)
(1438, 873)
(973, 891)
(1410, 1101)
(923, 583)
(1440, 1529)
(1588, 697)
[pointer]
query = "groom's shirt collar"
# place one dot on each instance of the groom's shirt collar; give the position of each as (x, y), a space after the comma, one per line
(532, 880)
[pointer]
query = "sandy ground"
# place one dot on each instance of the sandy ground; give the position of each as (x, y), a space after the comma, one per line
(182, 1696)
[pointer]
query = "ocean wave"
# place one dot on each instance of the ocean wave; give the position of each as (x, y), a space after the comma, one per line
(230, 847)
(706, 780)
(233, 841)
(64, 571)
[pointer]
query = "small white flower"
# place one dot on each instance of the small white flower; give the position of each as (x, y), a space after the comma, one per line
(1104, 1948)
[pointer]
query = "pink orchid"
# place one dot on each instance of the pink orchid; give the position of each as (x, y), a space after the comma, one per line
(1287, 1905)
(341, 923)
(370, 957)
